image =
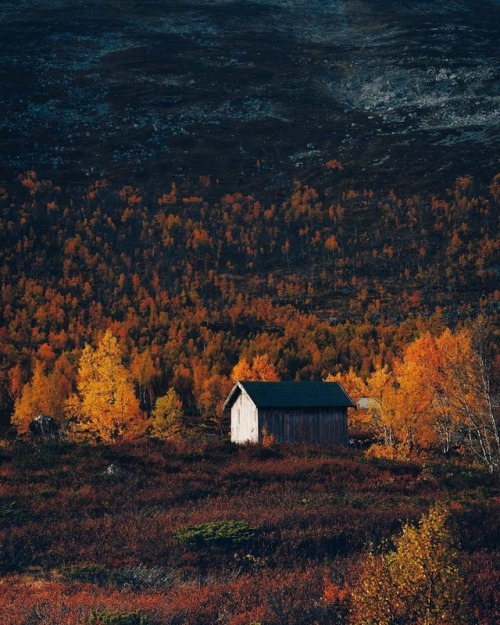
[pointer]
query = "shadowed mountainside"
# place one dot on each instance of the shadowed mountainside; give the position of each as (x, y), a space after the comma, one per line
(403, 93)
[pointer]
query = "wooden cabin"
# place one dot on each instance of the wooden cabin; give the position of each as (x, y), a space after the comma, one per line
(293, 412)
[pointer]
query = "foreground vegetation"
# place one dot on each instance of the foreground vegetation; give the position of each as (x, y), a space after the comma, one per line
(149, 533)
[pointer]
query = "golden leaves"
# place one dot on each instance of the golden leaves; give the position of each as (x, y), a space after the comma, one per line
(418, 583)
(106, 408)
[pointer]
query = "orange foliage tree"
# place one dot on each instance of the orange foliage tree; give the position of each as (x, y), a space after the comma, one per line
(144, 372)
(44, 394)
(260, 370)
(210, 397)
(426, 414)
(447, 386)
(105, 408)
(360, 420)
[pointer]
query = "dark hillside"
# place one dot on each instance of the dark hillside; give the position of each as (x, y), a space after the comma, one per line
(405, 94)
(195, 193)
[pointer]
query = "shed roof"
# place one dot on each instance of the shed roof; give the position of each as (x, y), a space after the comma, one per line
(292, 395)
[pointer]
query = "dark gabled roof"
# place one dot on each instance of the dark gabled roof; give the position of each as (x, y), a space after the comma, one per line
(293, 395)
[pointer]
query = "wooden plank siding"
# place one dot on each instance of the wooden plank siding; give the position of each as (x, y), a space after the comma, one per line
(319, 426)
(293, 412)
(244, 420)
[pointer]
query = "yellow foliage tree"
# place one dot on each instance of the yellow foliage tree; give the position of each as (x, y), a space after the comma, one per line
(241, 371)
(418, 583)
(105, 409)
(381, 393)
(45, 394)
(166, 418)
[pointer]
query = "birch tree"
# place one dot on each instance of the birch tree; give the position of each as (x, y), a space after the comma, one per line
(417, 583)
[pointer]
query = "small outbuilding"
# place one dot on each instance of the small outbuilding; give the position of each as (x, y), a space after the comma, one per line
(293, 412)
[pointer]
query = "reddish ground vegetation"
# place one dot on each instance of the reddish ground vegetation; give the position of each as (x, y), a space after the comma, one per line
(76, 540)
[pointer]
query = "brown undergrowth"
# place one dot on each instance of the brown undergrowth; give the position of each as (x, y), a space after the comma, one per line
(291, 529)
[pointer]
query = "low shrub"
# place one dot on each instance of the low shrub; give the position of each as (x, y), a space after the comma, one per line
(130, 577)
(116, 618)
(216, 536)
(458, 477)
(11, 512)
(264, 453)
(141, 577)
(92, 573)
(44, 456)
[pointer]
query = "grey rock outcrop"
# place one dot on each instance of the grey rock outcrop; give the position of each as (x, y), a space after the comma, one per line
(44, 426)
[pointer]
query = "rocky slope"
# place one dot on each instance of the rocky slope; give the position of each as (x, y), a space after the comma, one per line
(253, 93)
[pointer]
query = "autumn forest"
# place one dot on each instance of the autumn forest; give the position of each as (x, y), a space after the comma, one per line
(127, 314)
(184, 293)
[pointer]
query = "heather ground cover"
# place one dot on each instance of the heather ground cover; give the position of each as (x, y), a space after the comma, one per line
(212, 533)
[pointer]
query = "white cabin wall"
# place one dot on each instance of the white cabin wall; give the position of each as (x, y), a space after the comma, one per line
(244, 422)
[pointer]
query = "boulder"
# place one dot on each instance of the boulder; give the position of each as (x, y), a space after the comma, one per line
(116, 471)
(44, 426)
